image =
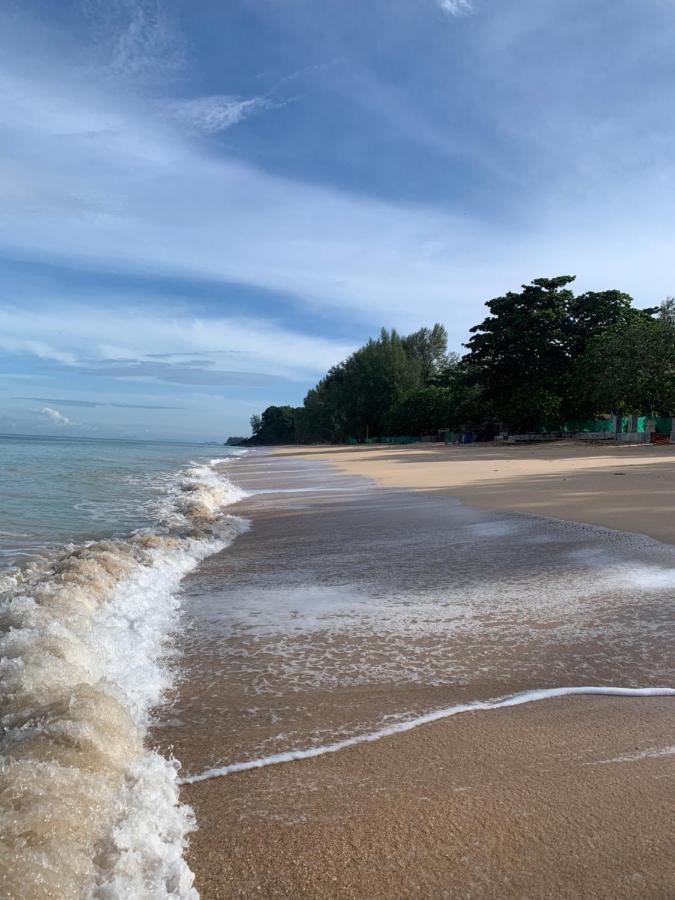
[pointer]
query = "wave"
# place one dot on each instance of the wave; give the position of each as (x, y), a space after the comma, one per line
(425, 719)
(87, 809)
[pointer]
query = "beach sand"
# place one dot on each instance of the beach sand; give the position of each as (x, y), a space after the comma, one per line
(564, 798)
(553, 802)
(620, 486)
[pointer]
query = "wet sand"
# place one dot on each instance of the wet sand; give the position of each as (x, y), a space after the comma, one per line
(525, 803)
(349, 606)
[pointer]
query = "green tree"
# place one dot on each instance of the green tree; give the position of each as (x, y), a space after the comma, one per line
(276, 426)
(428, 347)
(666, 311)
(524, 351)
(354, 397)
(630, 368)
(422, 410)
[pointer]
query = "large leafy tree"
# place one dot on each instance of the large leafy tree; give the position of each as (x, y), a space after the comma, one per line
(524, 351)
(630, 368)
(520, 351)
(421, 410)
(275, 426)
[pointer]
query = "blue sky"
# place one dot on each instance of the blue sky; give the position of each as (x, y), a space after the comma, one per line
(204, 205)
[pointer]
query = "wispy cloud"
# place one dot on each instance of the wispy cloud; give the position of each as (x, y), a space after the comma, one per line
(136, 40)
(168, 344)
(209, 115)
(91, 404)
(455, 7)
(93, 180)
(56, 417)
(191, 372)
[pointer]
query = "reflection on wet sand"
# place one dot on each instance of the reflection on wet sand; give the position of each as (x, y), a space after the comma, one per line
(348, 608)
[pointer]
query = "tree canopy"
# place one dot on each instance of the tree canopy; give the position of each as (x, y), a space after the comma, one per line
(543, 355)
(630, 368)
(523, 353)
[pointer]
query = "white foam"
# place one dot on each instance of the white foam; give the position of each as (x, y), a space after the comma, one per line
(147, 842)
(427, 718)
(83, 658)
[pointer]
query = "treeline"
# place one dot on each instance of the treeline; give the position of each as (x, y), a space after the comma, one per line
(542, 357)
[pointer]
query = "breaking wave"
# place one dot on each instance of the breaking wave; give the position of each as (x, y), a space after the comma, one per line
(87, 810)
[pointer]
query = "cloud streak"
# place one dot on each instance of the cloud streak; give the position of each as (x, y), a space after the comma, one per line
(91, 404)
(166, 344)
(210, 115)
(178, 373)
(138, 39)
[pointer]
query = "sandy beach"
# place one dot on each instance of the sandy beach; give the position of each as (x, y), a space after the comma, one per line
(363, 594)
(624, 487)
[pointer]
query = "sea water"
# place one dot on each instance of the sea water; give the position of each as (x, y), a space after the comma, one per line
(95, 538)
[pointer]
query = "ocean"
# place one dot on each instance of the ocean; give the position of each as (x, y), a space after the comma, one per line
(95, 538)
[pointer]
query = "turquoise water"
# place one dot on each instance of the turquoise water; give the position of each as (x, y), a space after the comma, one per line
(59, 489)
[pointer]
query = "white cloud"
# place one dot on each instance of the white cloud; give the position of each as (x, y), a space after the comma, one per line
(120, 192)
(164, 342)
(56, 417)
(210, 115)
(455, 7)
(94, 180)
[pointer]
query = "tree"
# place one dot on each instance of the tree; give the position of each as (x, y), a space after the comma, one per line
(535, 361)
(353, 399)
(524, 351)
(520, 352)
(275, 426)
(429, 348)
(666, 311)
(630, 368)
(421, 410)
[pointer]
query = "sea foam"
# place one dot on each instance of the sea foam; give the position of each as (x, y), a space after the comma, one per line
(425, 719)
(87, 810)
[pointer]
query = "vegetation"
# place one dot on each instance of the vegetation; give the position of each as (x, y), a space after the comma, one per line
(632, 368)
(541, 357)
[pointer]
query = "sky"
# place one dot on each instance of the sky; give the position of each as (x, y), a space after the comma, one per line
(204, 205)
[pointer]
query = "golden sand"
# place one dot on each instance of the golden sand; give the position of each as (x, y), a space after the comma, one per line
(573, 799)
(624, 487)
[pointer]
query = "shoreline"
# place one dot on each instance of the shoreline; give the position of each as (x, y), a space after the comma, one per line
(564, 799)
(629, 488)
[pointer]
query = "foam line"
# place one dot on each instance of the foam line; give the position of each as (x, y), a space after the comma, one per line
(434, 716)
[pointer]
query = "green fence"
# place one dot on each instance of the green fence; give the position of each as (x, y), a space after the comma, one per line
(586, 425)
(663, 425)
(400, 439)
